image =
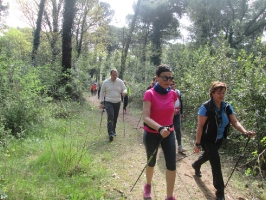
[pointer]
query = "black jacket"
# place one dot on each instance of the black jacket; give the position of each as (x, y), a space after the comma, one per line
(210, 128)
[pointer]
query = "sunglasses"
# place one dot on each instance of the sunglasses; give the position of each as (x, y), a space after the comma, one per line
(166, 78)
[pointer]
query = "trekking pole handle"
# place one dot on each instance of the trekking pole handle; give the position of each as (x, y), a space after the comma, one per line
(168, 128)
(250, 134)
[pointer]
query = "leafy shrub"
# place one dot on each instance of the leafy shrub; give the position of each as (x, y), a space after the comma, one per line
(245, 75)
(20, 99)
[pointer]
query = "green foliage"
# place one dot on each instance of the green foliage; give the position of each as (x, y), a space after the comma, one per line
(24, 105)
(245, 75)
(64, 158)
(20, 97)
(16, 44)
(158, 24)
(247, 172)
(239, 21)
(57, 164)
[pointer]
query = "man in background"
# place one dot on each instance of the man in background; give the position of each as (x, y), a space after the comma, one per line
(113, 88)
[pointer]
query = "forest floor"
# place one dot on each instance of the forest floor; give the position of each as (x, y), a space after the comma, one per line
(128, 159)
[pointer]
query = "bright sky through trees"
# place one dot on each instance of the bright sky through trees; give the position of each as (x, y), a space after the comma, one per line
(14, 18)
(121, 8)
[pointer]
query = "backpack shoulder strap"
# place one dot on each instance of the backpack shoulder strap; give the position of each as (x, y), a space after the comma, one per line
(228, 110)
(178, 93)
(209, 106)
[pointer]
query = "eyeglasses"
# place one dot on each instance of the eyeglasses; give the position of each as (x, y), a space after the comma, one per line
(166, 78)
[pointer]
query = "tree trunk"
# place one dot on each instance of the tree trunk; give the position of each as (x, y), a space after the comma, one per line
(53, 33)
(68, 16)
(127, 42)
(36, 39)
(81, 32)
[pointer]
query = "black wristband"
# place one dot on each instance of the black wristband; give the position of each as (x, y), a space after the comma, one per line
(198, 145)
(161, 128)
(102, 102)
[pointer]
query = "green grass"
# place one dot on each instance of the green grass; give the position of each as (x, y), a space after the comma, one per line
(57, 163)
(69, 157)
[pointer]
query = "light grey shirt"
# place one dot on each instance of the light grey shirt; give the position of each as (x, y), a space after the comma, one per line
(112, 90)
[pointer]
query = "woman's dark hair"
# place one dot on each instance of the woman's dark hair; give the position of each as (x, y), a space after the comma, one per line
(163, 68)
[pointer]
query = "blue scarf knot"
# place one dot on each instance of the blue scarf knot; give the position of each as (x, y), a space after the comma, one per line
(160, 89)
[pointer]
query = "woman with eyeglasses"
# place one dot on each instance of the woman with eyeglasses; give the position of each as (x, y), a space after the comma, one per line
(214, 117)
(158, 111)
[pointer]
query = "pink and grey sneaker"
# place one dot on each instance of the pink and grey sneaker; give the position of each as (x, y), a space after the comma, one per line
(170, 198)
(147, 192)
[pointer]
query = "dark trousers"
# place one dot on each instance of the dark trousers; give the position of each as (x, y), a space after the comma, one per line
(211, 154)
(177, 122)
(125, 102)
(151, 142)
(112, 110)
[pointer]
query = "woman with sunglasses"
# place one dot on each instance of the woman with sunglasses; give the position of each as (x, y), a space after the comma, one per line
(158, 111)
(214, 117)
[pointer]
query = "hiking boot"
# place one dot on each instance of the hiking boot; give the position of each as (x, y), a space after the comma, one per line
(220, 194)
(147, 192)
(197, 170)
(103, 110)
(114, 134)
(181, 149)
(170, 198)
(111, 137)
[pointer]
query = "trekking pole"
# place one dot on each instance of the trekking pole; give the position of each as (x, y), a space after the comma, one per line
(146, 164)
(101, 120)
(237, 162)
(185, 157)
(124, 120)
(128, 102)
(139, 120)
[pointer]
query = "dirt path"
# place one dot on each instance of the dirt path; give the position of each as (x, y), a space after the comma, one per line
(127, 160)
